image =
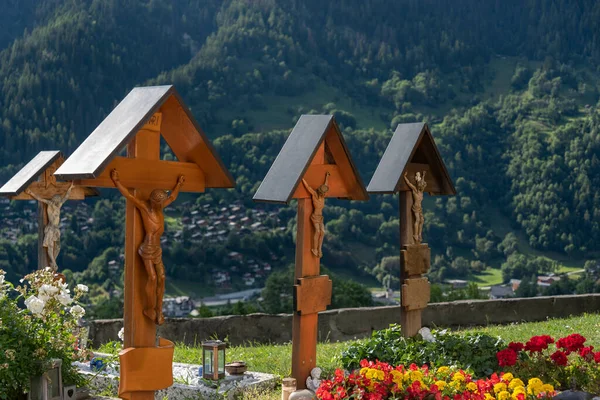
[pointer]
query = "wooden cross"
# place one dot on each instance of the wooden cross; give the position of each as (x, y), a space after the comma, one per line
(314, 150)
(138, 123)
(412, 165)
(38, 176)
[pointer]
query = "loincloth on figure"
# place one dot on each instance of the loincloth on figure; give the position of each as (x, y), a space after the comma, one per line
(51, 235)
(417, 209)
(316, 219)
(151, 252)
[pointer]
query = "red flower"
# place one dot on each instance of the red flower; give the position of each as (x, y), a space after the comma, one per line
(597, 357)
(516, 346)
(587, 353)
(559, 358)
(506, 358)
(538, 343)
(571, 343)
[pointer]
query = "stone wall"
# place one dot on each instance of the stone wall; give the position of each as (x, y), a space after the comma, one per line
(351, 323)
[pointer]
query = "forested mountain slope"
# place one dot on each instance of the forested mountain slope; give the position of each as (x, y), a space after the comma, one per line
(510, 89)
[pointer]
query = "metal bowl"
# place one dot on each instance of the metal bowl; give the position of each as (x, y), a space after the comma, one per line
(236, 368)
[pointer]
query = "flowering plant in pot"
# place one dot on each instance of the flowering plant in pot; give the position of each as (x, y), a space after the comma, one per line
(37, 321)
(567, 362)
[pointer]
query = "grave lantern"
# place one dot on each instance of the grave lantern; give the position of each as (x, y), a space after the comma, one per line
(213, 359)
(49, 385)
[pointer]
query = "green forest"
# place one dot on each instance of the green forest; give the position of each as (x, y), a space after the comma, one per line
(510, 90)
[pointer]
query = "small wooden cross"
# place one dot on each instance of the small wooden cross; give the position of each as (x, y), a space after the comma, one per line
(411, 165)
(38, 177)
(316, 155)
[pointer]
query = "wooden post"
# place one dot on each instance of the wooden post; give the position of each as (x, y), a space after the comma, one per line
(304, 327)
(410, 320)
(139, 330)
(42, 222)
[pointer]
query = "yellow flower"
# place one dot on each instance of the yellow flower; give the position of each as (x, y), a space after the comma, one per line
(547, 388)
(443, 370)
(363, 371)
(507, 377)
(503, 395)
(515, 383)
(397, 377)
(519, 389)
(441, 385)
(534, 386)
(374, 374)
(472, 386)
(416, 375)
(458, 376)
(489, 397)
(499, 387)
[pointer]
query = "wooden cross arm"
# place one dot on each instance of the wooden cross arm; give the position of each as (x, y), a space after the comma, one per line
(78, 192)
(138, 173)
(312, 294)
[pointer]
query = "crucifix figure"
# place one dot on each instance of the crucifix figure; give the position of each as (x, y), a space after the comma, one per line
(52, 230)
(153, 219)
(318, 201)
(417, 206)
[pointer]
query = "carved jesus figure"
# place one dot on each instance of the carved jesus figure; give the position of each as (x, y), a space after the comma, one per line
(150, 251)
(318, 201)
(417, 207)
(52, 230)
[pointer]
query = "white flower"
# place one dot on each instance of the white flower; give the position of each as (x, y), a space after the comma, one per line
(2, 279)
(35, 305)
(64, 299)
(121, 334)
(82, 288)
(64, 287)
(77, 311)
(46, 292)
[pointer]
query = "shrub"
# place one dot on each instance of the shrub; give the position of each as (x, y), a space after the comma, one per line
(566, 361)
(473, 351)
(43, 330)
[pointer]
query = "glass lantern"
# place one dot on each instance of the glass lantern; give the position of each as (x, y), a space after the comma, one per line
(213, 359)
(49, 385)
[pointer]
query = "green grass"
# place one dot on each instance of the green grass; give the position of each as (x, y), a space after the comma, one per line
(587, 325)
(276, 359)
(489, 277)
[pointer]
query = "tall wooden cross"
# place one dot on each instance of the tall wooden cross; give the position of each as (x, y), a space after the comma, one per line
(412, 165)
(314, 155)
(137, 124)
(38, 177)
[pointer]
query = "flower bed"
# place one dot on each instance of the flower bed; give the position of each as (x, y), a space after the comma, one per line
(378, 381)
(42, 330)
(567, 361)
(473, 351)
